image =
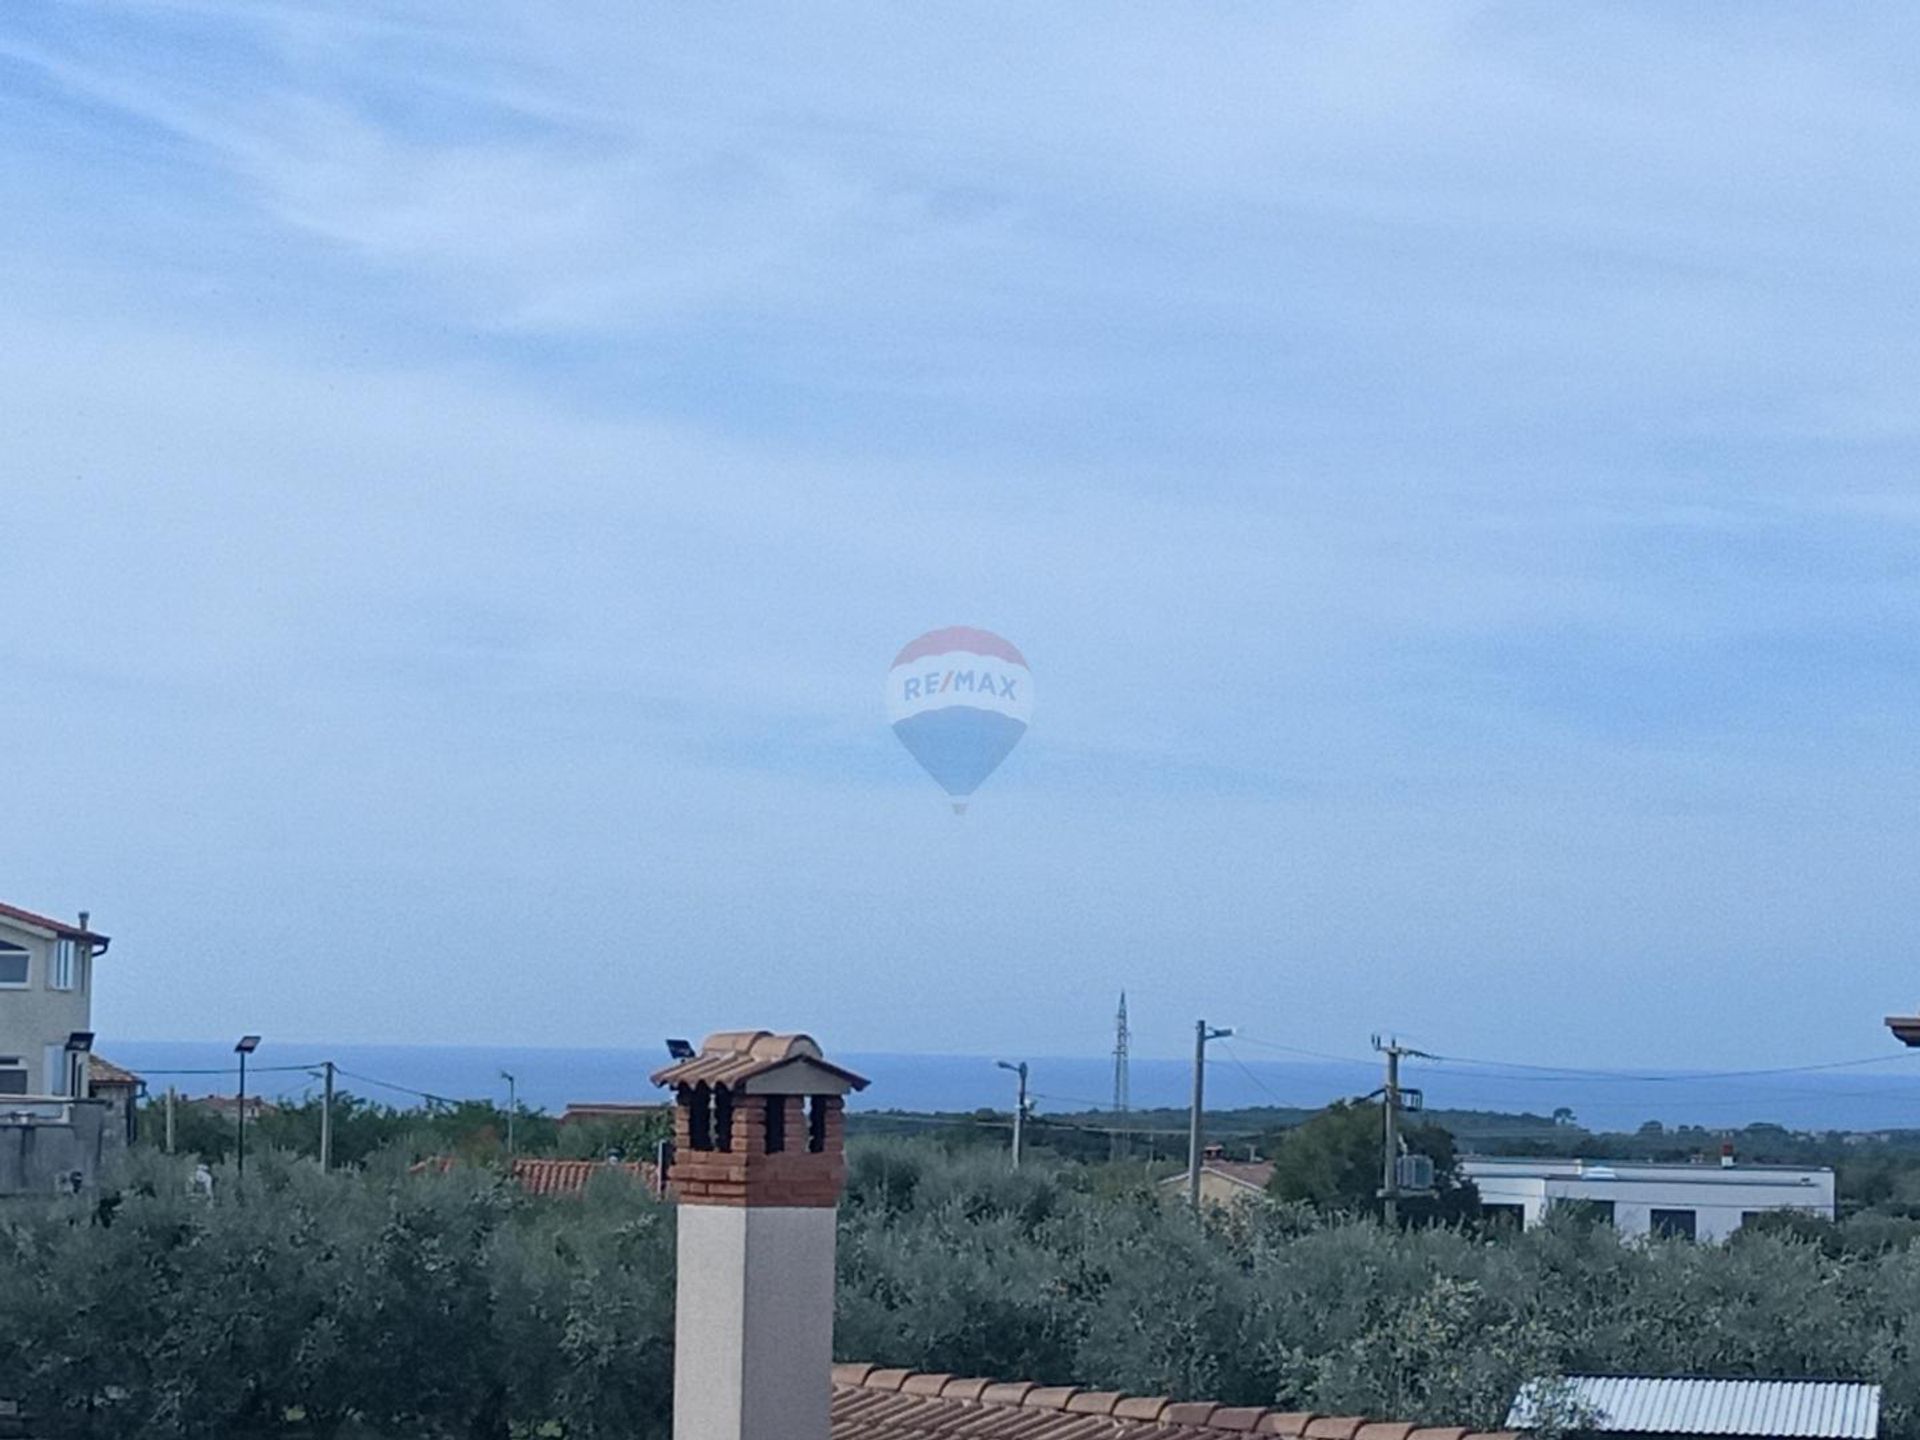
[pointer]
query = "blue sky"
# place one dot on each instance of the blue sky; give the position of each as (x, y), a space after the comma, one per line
(1451, 469)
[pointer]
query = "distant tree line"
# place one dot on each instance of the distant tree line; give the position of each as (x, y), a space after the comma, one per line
(378, 1302)
(474, 1130)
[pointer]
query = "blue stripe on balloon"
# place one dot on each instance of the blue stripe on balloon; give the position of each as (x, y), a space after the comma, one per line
(959, 745)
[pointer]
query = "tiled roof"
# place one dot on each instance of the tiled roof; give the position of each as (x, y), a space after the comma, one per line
(732, 1057)
(539, 1175)
(101, 1071)
(875, 1404)
(64, 929)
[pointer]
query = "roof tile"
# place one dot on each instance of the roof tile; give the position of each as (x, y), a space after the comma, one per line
(1188, 1412)
(1244, 1417)
(1007, 1392)
(1286, 1422)
(1049, 1397)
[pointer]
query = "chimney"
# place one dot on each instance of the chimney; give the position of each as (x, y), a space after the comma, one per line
(83, 920)
(758, 1166)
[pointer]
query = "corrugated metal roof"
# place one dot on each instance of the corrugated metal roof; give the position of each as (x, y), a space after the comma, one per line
(1777, 1409)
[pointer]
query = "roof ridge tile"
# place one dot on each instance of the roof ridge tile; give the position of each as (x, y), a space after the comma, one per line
(1049, 1397)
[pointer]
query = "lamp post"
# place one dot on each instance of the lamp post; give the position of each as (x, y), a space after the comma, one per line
(1019, 1109)
(513, 1104)
(246, 1046)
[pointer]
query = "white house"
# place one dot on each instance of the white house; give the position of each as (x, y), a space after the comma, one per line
(46, 1003)
(1702, 1202)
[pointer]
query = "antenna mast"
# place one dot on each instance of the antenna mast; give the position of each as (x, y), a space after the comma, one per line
(1122, 1101)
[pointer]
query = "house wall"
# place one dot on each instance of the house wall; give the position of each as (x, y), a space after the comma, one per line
(36, 1017)
(1720, 1197)
(55, 1148)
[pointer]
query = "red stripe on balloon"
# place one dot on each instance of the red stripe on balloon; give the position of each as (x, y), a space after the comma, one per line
(960, 637)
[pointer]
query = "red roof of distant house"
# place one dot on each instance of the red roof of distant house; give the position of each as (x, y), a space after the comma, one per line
(541, 1176)
(64, 929)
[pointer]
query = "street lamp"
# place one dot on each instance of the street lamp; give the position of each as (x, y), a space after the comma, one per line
(513, 1104)
(246, 1046)
(1020, 1110)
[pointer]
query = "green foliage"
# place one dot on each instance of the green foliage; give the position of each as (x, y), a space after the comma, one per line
(474, 1130)
(375, 1302)
(631, 1137)
(1333, 1162)
(445, 1305)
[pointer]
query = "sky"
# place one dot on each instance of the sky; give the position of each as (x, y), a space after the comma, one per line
(465, 471)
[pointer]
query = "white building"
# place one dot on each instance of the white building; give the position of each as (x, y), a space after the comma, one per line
(1703, 1202)
(46, 1003)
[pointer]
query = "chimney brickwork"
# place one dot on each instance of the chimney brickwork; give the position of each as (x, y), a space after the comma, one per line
(748, 1172)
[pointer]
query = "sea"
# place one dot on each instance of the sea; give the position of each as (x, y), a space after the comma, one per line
(1868, 1095)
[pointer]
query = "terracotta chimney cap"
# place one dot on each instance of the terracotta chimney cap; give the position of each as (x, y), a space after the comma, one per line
(734, 1057)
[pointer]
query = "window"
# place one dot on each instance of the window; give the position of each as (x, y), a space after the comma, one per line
(13, 965)
(1671, 1224)
(65, 966)
(13, 1081)
(1588, 1212)
(1504, 1217)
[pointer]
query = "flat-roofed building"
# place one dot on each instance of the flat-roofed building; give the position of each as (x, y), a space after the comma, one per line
(1698, 1202)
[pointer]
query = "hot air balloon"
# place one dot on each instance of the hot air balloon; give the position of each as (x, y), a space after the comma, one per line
(959, 699)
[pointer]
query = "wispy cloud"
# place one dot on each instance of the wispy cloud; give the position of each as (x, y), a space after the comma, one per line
(1450, 465)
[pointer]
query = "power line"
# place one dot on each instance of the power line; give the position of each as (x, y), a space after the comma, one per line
(1544, 1073)
(427, 1095)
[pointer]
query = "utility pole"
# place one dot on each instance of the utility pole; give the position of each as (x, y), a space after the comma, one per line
(513, 1104)
(1196, 1130)
(1019, 1109)
(169, 1119)
(326, 1116)
(1122, 1099)
(1391, 1096)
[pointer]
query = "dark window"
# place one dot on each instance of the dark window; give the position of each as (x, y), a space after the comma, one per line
(13, 1082)
(722, 1118)
(1504, 1217)
(13, 964)
(816, 1123)
(776, 1124)
(699, 1103)
(1671, 1224)
(1591, 1212)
